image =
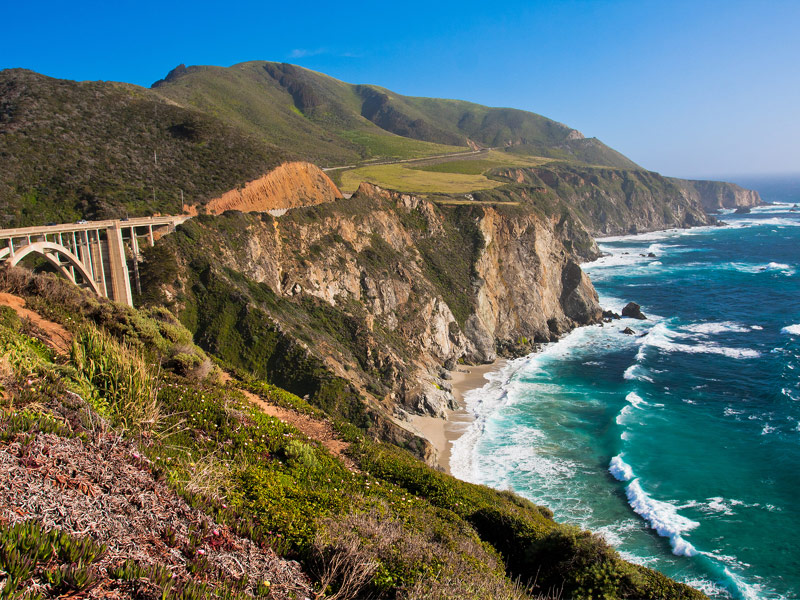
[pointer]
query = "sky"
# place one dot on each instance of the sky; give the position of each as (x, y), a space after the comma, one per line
(688, 89)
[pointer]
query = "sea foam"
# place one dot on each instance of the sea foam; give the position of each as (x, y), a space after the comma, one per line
(621, 470)
(663, 517)
(791, 329)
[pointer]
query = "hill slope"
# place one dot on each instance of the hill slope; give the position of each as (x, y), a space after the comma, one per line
(71, 150)
(337, 122)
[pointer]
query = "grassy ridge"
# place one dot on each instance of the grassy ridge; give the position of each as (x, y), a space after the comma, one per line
(338, 123)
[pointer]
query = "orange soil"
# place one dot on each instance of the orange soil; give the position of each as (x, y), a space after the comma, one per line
(52, 334)
(290, 185)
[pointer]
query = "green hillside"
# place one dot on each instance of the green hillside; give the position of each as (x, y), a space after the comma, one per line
(93, 150)
(336, 122)
(71, 150)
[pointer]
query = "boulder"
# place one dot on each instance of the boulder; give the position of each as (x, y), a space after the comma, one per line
(633, 311)
(628, 331)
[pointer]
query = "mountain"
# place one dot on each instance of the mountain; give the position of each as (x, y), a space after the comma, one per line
(336, 122)
(71, 150)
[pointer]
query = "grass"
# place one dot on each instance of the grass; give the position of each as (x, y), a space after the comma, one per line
(407, 179)
(395, 146)
(445, 175)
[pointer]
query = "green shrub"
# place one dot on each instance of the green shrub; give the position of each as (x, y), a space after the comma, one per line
(123, 385)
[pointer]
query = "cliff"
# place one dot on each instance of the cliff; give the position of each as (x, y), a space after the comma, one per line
(603, 201)
(379, 291)
(713, 195)
(289, 185)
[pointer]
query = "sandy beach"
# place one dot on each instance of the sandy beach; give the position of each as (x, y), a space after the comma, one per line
(443, 432)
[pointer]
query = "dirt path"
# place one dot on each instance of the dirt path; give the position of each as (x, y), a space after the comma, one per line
(316, 429)
(52, 334)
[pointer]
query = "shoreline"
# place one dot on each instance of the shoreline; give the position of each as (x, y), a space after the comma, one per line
(441, 433)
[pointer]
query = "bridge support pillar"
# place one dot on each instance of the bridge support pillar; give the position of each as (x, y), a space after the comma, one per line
(120, 280)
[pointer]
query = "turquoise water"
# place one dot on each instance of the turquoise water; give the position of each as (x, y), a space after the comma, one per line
(679, 444)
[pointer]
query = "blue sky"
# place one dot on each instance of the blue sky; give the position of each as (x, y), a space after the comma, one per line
(689, 89)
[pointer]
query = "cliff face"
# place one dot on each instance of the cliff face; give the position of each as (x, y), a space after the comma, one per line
(713, 195)
(383, 289)
(605, 201)
(289, 185)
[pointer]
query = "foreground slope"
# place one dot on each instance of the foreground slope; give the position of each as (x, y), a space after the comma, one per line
(239, 495)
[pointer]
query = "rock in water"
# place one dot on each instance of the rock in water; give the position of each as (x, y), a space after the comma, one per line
(742, 210)
(633, 311)
(628, 331)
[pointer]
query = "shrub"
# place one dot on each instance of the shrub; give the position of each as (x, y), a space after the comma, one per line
(123, 385)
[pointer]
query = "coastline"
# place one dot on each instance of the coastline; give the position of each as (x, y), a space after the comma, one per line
(441, 433)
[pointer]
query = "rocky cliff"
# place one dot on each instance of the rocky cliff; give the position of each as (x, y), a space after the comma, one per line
(604, 201)
(289, 185)
(713, 195)
(381, 291)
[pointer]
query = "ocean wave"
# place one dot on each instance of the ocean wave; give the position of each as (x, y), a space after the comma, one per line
(749, 591)
(776, 221)
(771, 267)
(635, 399)
(663, 517)
(709, 588)
(661, 337)
(721, 327)
(791, 329)
(621, 470)
(637, 372)
(623, 413)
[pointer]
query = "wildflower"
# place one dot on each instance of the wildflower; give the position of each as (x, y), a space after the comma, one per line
(201, 552)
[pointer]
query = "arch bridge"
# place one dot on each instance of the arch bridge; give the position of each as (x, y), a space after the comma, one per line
(92, 254)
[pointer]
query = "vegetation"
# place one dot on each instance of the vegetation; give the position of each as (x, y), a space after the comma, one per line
(71, 150)
(386, 527)
(97, 150)
(405, 178)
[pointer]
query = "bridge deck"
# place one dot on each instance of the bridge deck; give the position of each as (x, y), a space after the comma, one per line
(92, 225)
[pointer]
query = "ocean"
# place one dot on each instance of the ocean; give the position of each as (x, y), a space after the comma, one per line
(679, 444)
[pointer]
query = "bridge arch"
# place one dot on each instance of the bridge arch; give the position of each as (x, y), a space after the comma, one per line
(50, 251)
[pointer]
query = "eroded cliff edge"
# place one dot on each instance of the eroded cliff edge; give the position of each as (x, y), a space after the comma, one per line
(290, 185)
(361, 302)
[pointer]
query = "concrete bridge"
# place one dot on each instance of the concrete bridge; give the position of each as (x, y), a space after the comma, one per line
(91, 254)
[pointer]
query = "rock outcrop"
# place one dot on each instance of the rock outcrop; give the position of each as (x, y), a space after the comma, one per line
(290, 185)
(604, 201)
(713, 195)
(382, 288)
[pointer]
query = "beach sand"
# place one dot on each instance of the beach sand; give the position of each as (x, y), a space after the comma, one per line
(443, 432)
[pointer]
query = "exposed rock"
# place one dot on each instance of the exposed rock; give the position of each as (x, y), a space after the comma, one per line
(290, 185)
(633, 311)
(713, 195)
(610, 314)
(742, 210)
(628, 331)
